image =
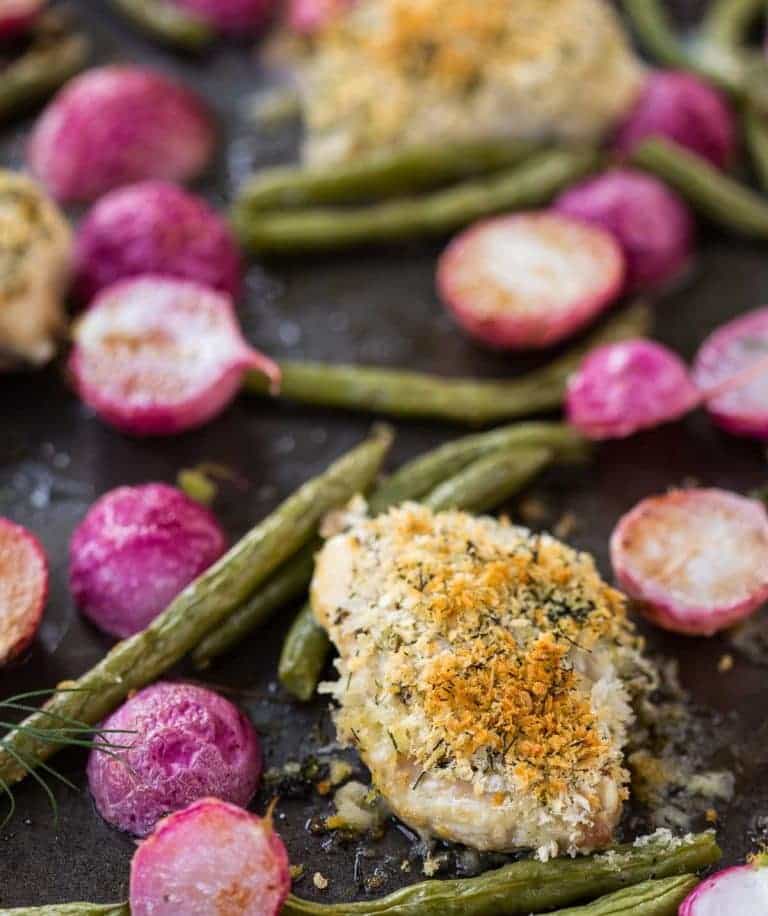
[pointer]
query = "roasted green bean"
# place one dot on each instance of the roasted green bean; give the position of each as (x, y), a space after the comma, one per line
(714, 194)
(530, 886)
(142, 658)
(384, 175)
(649, 898)
(167, 22)
(71, 909)
(413, 394)
(534, 182)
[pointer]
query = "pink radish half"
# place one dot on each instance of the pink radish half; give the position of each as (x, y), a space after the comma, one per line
(695, 560)
(155, 356)
(23, 588)
(135, 550)
(531, 279)
(624, 387)
(116, 125)
(16, 16)
(737, 351)
(739, 891)
(178, 743)
(210, 858)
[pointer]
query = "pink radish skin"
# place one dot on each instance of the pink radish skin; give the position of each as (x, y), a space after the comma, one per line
(187, 743)
(727, 354)
(237, 18)
(625, 387)
(210, 858)
(135, 550)
(308, 16)
(116, 125)
(696, 561)
(739, 891)
(652, 224)
(154, 356)
(529, 280)
(17, 17)
(23, 588)
(683, 108)
(155, 227)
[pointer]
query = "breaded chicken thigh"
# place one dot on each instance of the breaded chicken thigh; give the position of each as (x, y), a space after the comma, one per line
(484, 677)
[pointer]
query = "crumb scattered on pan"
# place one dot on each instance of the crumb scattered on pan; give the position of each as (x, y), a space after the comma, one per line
(532, 510)
(320, 881)
(297, 871)
(711, 816)
(725, 663)
(566, 526)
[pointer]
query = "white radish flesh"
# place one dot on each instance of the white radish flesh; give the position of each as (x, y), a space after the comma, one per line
(530, 280)
(212, 857)
(23, 588)
(695, 560)
(155, 355)
(740, 891)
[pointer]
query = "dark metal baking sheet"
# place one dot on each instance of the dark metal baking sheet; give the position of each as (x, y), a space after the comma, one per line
(377, 307)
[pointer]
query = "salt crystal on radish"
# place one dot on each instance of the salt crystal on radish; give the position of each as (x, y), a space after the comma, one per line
(209, 857)
(171, 744)
(731, 370)
(23, 588)
(696, 561)
(739, 891)
(135, 550)
(624, 387)
(155, 355)
(116, 125)
(529, 280)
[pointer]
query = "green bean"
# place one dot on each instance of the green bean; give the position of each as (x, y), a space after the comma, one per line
(288, 584)
(490, 481)
(534, 182)
(530, 886)
(413, 394)
(71, 909)
(167, 22)
(756, 133)
(649, 898)
(142, 658)
(486, 482)
(719, 197)
(412, 481)
(416, 478)
(727, 22)
(384, 175)
(55, 54)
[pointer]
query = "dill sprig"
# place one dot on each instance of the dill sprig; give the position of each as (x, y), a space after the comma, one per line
(63, 731)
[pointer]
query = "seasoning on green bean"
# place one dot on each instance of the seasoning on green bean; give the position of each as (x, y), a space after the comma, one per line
(714, 194)
(536, 181)
(649, 898)
(413, 394)
(54, 55)
(531, 886)
(485, 482)
(71, 909)
(167, 22)
(387, 174)
(142, 658)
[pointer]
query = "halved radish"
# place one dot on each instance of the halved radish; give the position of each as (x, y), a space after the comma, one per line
(16, 16)
(212, 857)
(23, 588)
(624, 387)
(156, 355)
(695, 560)
(735, 357)
(739, 891)
(531, 279)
